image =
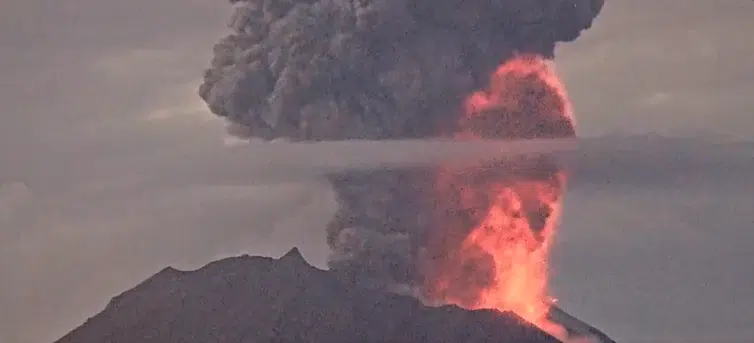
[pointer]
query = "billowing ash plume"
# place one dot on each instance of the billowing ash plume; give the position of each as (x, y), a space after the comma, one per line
(374, 69)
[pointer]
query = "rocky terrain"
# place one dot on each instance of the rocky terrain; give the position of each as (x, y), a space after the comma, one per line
(259, 300)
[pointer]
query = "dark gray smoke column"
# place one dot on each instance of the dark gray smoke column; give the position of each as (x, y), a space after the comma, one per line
(374, 69)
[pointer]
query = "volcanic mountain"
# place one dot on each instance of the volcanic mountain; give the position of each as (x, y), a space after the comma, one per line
(260, 299)
(478, 238)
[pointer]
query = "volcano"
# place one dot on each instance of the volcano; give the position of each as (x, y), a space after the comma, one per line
(476, 240)
(265, 300)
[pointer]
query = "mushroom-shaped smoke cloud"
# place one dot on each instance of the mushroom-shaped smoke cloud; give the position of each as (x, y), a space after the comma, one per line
(313, 70)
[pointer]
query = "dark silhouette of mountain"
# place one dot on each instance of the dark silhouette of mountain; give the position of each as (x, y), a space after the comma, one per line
(259, 300)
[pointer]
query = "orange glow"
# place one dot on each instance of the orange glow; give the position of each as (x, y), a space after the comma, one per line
(496, 225)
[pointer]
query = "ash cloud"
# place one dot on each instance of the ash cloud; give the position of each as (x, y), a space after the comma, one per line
(308, 70)
(372, 69)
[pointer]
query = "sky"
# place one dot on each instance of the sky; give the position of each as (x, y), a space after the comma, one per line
(93, 91)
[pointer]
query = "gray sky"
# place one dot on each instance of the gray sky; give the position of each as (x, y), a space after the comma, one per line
(92, 88)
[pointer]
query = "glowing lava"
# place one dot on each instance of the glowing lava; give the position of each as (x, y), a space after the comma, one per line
(496, 223)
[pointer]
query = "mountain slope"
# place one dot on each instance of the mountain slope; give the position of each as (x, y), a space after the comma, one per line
(257, 299)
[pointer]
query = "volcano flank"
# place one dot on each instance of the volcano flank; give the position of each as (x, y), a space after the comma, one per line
(261, 300)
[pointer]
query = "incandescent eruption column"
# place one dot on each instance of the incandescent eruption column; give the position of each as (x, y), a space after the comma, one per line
(496, 222)
(310, 70)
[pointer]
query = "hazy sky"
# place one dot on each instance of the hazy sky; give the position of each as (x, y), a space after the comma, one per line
(91, 89)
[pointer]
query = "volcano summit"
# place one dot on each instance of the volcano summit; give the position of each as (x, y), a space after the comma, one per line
(264, 300)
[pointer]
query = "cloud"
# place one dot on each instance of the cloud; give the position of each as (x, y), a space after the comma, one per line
(658, 162)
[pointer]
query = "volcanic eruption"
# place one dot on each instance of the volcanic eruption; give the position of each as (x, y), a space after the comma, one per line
(497, 222)
(312, 70)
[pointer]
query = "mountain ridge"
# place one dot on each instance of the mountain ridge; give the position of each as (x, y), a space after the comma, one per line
(247, 299)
